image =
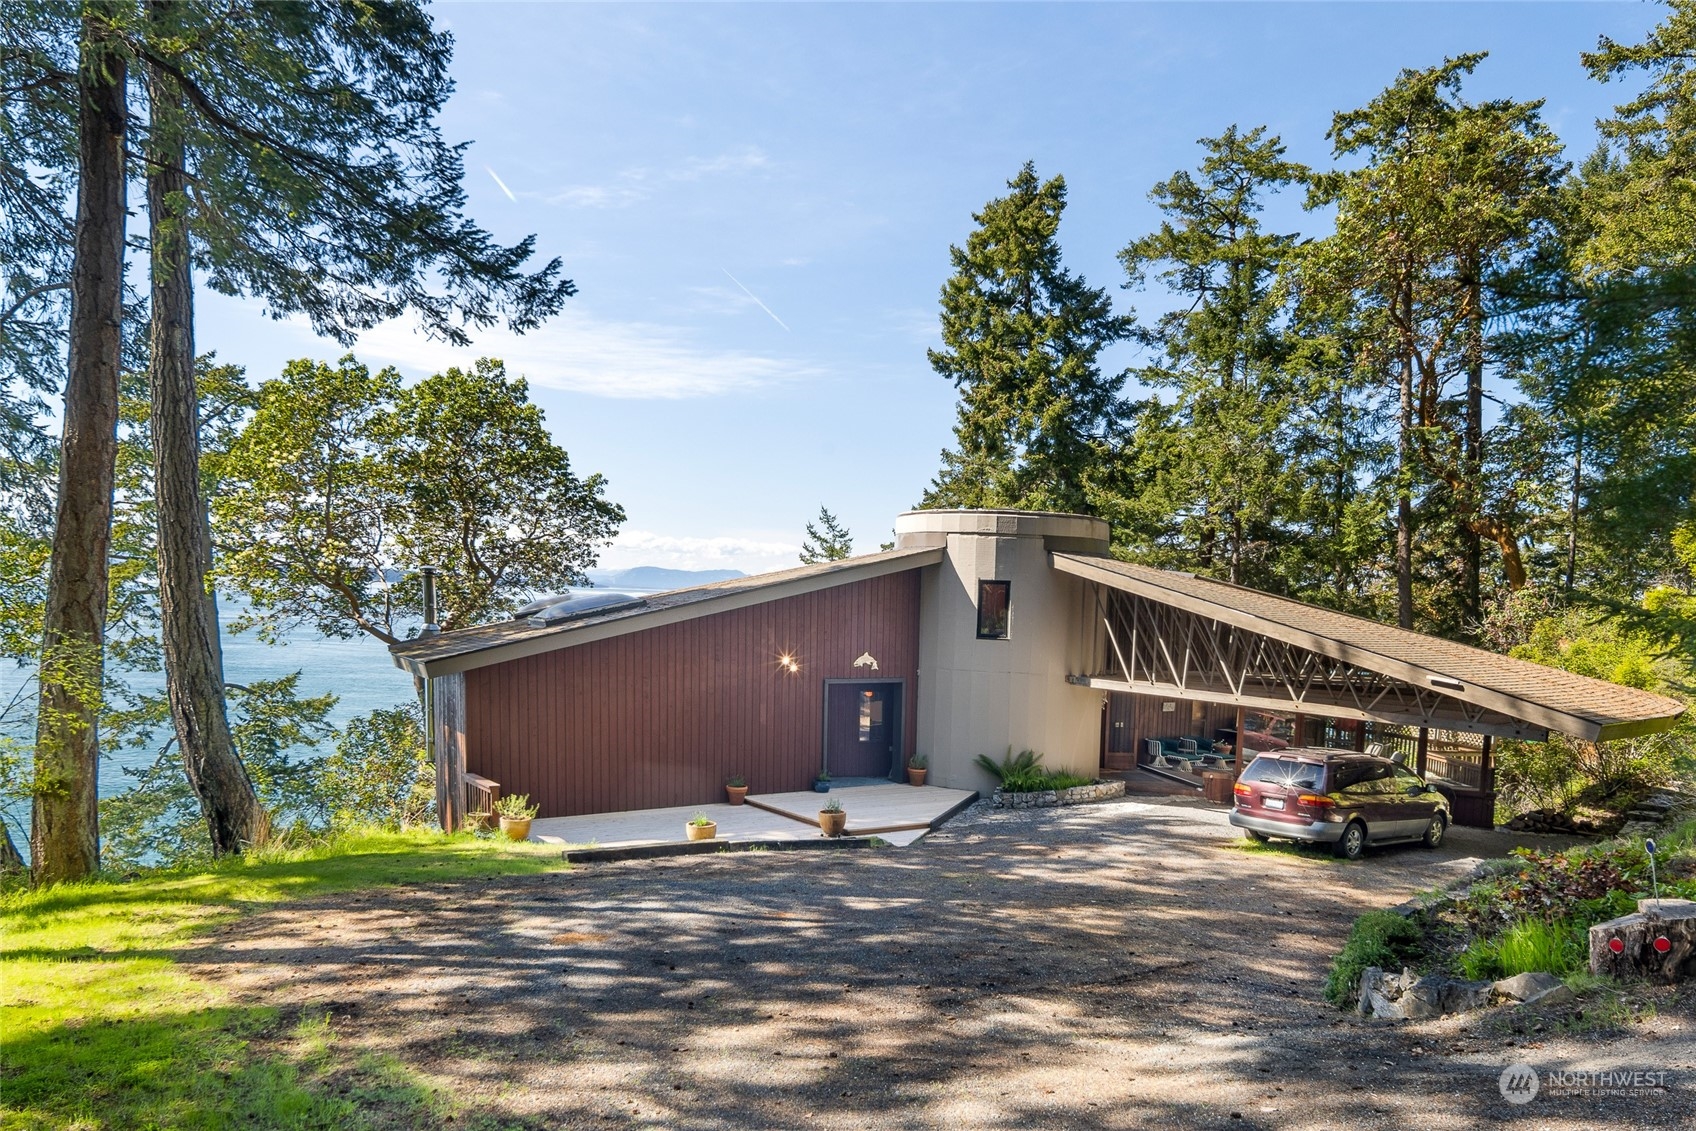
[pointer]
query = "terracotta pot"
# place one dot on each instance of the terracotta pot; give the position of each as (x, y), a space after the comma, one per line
(915, 776)
(702, 832)
(516, 828)
(832, 821)
(737, 793)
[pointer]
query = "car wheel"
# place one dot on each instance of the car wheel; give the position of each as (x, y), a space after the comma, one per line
(1352, 843)
(1258, 838)
(1435, 830)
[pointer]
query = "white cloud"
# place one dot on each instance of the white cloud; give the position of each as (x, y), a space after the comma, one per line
(576, 353)
(634, 185)
(750, 555)
(621, 195)
(745, 160)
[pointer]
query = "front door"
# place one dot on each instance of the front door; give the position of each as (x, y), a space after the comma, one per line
(862, 729)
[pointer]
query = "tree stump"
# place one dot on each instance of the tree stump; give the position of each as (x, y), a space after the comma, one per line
(1657, 941)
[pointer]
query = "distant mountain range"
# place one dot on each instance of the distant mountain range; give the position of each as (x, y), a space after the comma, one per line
(658, 577)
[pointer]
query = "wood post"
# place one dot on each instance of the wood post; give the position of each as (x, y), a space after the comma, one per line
(1422, 750)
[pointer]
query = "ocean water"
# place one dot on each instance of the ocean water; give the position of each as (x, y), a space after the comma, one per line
(358, 671)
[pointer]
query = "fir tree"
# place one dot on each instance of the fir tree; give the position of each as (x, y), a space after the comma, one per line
(1021, 338)
(827, 540)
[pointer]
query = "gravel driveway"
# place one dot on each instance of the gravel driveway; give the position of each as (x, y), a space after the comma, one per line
(1124, 964)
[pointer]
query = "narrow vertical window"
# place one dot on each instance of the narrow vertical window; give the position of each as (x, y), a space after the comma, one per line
(994, 599)
(866, 720)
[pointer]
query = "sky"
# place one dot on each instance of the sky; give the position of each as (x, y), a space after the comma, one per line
(757, 202)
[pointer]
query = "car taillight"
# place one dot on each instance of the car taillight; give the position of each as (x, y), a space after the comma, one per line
(1241, 789)
(1315, 801)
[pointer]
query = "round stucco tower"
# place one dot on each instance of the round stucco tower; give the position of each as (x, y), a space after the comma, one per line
(989, 681)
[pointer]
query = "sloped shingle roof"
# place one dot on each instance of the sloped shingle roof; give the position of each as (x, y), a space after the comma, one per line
(1573, 704)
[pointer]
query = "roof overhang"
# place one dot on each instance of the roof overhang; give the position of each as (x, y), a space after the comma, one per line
(485, 645)
(1515, 715)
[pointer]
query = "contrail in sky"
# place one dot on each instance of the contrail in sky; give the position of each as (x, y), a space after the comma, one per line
(501, 183)
(755, 297)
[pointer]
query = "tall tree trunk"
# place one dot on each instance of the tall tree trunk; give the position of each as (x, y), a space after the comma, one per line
(194, 675)
(1572, 507)
(10, 859)
(1472, 469)
(65, 830)
(1404, 485)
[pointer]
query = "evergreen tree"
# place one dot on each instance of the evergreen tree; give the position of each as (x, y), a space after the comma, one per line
(1229, 491)
(827, 540)
(1021, 337)
(64, 832)
(1638, 262)
(1449, 195)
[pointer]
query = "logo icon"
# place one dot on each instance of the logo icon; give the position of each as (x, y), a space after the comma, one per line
(1519, 1083)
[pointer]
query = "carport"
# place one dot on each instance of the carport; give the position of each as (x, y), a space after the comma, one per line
(1197, 652)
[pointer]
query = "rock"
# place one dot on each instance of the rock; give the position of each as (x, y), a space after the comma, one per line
(1438, 994)
(1556, 995)
(1525, 987)
(1408, 996)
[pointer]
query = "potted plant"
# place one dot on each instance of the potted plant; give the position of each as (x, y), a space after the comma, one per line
(701, 827)
(737, 787)
(916, 766)
(832, 818)
(821, 784)
(516, 812)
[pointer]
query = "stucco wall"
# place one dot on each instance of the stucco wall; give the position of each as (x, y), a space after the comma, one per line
(982, 696)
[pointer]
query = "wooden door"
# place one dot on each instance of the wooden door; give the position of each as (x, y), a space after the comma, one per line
(864, 724)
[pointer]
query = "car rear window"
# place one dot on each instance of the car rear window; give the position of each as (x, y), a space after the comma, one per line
(1288, 772)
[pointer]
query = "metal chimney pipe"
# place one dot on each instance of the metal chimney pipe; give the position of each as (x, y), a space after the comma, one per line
(431, 628)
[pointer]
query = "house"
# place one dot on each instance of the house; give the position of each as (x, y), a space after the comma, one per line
(981, 631)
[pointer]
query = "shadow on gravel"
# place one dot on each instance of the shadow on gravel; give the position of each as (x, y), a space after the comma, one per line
(1115, 967)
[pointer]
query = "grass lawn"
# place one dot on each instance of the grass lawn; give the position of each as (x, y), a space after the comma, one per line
(102, 1028)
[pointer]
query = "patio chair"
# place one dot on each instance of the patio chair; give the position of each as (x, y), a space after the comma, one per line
(1165, 754)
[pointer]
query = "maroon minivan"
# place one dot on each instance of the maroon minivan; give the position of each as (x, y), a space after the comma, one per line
(1339, 798)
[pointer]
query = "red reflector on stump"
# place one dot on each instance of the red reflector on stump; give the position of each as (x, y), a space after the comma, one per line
(1662, 944)
(1617, 945)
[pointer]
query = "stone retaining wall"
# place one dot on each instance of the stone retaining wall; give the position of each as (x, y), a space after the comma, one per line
(1077, 795)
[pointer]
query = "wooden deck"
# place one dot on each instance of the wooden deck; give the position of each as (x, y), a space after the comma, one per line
(900, 814)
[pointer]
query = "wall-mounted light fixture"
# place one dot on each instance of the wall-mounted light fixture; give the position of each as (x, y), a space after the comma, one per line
(789, 663)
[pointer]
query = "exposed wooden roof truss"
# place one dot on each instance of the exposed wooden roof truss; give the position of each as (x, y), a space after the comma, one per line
(1154, 648)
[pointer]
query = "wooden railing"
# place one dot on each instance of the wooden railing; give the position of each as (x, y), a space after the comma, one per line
(480, 796)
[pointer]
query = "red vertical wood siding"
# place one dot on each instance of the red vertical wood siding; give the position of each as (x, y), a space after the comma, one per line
(1142, 718)
(662, 716)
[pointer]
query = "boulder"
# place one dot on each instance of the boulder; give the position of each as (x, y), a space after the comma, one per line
(1412, 997)
(1533, 988)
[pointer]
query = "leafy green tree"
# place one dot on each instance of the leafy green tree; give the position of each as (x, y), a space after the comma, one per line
(38, 155)
(1638, 260)
(1021, 337)
(1642, 202)
(1229, 491)
(301, 515)
(380, 773)
(158, 819)
(1536, 626)
(294, 148)
(343, 480)
(827, 540)
(1449, 194)
(489, 496)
